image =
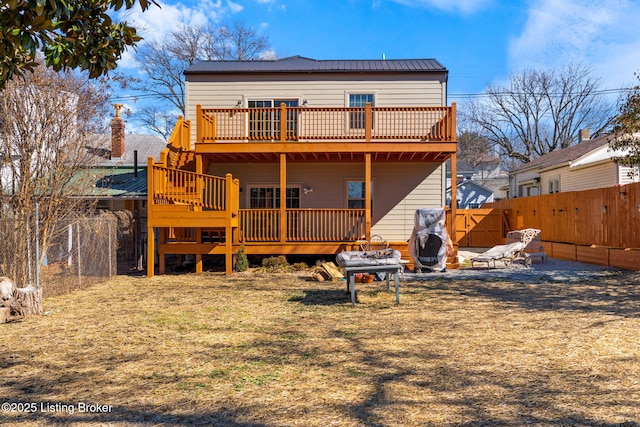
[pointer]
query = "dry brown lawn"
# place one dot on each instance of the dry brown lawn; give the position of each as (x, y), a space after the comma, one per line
(278, 350)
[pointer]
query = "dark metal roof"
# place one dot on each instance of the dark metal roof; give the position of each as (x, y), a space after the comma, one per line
(299, 64)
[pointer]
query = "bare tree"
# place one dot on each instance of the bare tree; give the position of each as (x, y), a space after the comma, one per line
(47, 120)
(242, 42)
(627, 127)
(537, 112)
(474, 150)
(163, 65)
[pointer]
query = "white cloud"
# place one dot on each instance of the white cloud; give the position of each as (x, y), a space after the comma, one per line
(462, 6)
(601, 34)
(235, 7)
(157, 22)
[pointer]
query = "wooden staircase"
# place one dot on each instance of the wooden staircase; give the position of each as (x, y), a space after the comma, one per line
(183, 160)
(195, 213)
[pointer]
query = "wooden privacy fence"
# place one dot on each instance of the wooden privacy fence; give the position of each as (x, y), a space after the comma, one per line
(478, 228)
(602, 217)
(600, 226)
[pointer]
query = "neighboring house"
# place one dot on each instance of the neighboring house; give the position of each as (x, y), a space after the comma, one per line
(471, 195)
(478, 185)
(588, 164)
(301, 156)
(117, 165)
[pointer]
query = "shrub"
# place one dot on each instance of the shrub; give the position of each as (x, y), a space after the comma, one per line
(276, 264)
(242, 262)
(299, 266)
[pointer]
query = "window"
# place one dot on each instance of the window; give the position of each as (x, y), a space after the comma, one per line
(357, 119)
(268, 197)
(356, 195)
(554, 186)
(265, 123)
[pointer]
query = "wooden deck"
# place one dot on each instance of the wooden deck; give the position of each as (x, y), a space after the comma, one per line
(307, 124)
(187, 207)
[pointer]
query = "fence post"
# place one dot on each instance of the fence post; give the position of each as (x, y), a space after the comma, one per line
(37, 242)
(78, 254)
(109, 233)
(29, 253)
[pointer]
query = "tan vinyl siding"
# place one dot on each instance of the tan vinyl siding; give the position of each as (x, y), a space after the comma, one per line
(399, 188)
(597, 176)
(545, 178)
(318, 90)
(627, 174)
(416, 186)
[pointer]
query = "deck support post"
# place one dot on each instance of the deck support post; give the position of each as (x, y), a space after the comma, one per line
(454, 183)
(454, 209)
(199, 189)
(151, 247)
(151, 251)
(367, 195)
(198, 255)
(228, 230)
(283, 198)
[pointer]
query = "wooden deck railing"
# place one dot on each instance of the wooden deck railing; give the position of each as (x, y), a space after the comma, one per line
(179, 141)
(180, 138)
(178, 186)
(363, 124)
(303, 225)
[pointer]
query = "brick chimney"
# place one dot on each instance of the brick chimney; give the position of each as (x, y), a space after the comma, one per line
(117, 134)
(584, 135)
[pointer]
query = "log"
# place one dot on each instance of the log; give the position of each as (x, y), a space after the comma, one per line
(30, 299)
(5, 312)
(6, 288)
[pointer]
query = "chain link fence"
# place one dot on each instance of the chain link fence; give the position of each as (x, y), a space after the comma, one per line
(77, 252)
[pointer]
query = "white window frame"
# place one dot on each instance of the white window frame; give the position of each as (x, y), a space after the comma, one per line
(347, 103)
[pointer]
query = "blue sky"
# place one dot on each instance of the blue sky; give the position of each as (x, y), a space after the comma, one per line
(479, 41)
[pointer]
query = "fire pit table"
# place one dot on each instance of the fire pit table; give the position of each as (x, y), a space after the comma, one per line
(386, 261)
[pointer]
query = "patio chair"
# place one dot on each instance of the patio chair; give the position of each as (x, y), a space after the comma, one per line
(521, 245)
(375, 243)
(504, 253)
(531, 238)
